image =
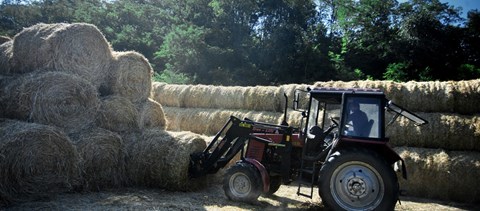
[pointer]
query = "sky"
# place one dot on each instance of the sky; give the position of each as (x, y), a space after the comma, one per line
(466, 5)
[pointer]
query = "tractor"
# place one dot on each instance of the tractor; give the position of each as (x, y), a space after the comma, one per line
(339, 147)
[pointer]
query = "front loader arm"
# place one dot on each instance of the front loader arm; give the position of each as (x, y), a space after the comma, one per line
(220, 151)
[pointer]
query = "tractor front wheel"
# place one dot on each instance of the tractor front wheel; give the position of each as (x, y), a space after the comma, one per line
(242, 182)
(358, 179)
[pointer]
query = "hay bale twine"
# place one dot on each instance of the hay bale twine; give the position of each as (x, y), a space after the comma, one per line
(103, 158)
(35, 161)
(6, 55)
(77, 48)
(151, 115)
(51, 98)
(130, 76)
(4, 39)
(117, 114)
(440, 174)
(161, 159)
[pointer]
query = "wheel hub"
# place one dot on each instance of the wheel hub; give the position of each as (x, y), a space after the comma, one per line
(240, 185)
(356, 187)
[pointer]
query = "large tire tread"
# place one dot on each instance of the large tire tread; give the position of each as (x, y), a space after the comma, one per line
(390, 181)
(249, 171)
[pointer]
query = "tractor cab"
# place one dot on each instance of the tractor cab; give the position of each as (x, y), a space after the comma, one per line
(352, 114)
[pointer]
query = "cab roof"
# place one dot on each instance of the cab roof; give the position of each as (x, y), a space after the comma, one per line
(340, 91)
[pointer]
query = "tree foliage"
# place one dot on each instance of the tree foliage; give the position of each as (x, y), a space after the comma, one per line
(268, 42)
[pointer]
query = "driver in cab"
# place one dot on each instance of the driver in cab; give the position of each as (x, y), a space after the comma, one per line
(357, 120)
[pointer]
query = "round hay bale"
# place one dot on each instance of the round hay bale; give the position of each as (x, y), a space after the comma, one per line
(180, 119)
(77, 48)
(130, 76)
(161, 159)
(467, 97)
(439, 174)
(151, 115)
(263, 98)
(51, 98)
(103, 158)
(117, 114)
(6, 55)
(433, 96)
(228, 97)
(199, 96)
(35, 161)
(170, 94)
(4, 39)
(444, 130)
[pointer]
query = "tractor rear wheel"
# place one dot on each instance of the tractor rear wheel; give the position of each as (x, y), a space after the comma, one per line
(358, 179)
(242, 182)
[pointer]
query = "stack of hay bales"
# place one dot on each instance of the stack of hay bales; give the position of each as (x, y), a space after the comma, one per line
(77, 114)
(451, 109)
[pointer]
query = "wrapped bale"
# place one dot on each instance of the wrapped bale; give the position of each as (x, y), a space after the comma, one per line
(439, 174)
(35, 161)
(6, 55)
(130, 76)
(77, 48)
(444, 130)
(180, 119)
(51, 98)
(103, 158)
(161, 159)
(151, 115)
(117, 114)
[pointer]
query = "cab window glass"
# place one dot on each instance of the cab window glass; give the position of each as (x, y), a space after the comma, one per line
(361, 117)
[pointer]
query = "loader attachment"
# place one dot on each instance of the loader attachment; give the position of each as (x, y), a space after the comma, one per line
(230, 140)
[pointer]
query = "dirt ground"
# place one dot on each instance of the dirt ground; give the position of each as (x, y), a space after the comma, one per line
(211, 198)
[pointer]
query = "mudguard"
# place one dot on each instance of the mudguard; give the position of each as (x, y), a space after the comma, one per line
(263, 173)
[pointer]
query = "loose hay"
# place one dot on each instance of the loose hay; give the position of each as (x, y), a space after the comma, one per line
(6, 55)
(439, 174)
(103, 158)
(75, 48)
(161, 159)
(151, 115)
(51, 98)
(130, 76)
(117, 114)
(35, 161)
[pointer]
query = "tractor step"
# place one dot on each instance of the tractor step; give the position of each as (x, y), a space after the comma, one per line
(306, 178)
